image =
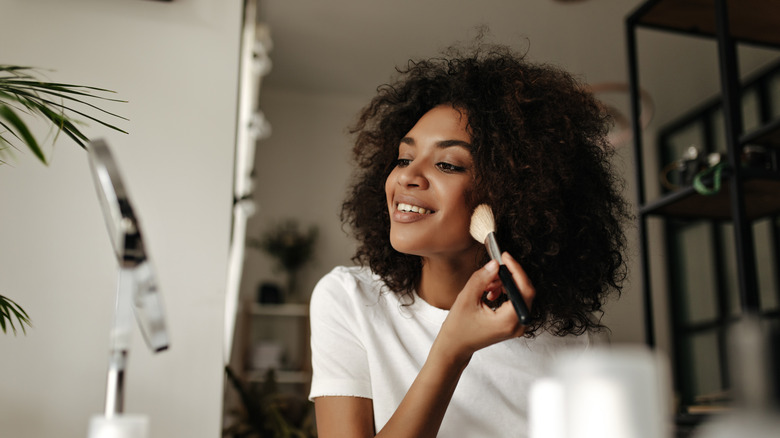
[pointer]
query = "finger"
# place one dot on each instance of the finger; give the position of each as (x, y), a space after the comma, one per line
(481, 279)
(506, 313)
(494, 290)
(527, 289)
(492, 295)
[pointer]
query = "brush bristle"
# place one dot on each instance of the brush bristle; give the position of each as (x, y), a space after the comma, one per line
(482, 223)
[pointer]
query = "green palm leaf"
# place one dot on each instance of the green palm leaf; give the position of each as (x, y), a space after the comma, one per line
(15, 123)
(62, 106)
(10, 310)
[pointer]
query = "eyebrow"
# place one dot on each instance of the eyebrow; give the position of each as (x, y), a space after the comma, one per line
(441, 144)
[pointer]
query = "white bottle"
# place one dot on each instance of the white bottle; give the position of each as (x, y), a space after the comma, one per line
(753, 372)
(608, 392)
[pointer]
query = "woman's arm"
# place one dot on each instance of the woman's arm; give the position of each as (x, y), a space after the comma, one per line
(344, 417)
(470, 326)
(419, 414)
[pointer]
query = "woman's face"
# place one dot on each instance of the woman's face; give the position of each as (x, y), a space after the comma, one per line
(427, 192)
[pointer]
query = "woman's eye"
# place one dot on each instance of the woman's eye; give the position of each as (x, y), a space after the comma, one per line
(402, 162)
(447, 167)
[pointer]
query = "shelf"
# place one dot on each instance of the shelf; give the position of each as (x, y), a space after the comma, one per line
(761, 198)
(767, 135)
(712, 324)
(754, 22)
(751, 21)
(282, 376)
(291, 309)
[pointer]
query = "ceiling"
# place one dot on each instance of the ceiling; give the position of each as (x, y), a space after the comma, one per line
(349, 47)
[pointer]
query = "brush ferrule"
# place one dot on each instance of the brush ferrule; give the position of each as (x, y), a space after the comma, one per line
(492, 247)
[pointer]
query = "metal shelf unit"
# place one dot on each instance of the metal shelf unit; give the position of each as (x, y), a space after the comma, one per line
(747, 194)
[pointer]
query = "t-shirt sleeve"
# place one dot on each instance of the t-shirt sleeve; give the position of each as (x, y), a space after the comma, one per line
(339, 360)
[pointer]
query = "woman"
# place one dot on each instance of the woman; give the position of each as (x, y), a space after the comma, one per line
(418, 340)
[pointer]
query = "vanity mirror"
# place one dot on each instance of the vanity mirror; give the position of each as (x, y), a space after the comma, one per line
(136, 293)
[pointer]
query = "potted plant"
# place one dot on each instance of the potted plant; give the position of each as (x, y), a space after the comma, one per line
(289, 246)
(62, 106)
(265, 412)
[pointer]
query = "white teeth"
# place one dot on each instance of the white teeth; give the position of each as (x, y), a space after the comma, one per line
(413, 208)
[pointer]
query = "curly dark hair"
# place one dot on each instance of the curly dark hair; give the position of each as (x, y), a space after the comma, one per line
(541, 161)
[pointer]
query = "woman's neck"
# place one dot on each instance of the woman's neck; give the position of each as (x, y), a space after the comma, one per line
(442, 279)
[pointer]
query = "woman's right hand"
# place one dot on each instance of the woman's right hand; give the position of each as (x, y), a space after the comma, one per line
(471, 324)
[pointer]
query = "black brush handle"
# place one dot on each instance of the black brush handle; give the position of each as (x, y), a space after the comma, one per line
(514, 294)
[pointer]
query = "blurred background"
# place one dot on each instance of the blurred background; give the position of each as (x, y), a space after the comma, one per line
(238, 134)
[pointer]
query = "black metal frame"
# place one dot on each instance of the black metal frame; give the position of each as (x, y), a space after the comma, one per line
(702, 117)
(731, 87)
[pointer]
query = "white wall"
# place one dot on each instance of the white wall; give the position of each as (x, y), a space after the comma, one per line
(302, 173)
(176, 63)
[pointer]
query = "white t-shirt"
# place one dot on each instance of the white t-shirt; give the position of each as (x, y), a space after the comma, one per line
(370, 342)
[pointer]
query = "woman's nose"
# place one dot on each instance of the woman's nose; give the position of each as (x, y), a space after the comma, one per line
(413, 175)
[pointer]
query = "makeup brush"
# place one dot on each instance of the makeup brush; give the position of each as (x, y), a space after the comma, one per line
(483, 229)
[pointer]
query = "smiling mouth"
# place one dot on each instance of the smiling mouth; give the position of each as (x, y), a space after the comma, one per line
(408, 208)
